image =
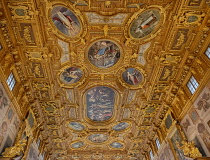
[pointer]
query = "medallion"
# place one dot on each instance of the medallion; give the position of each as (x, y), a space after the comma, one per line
(76, 126)
(77, 145)
(132, 76)
(98, 138)
(104, 54)
(116, 145)
(145, 23)
(71, 75)
(121, 126)
(65, 21)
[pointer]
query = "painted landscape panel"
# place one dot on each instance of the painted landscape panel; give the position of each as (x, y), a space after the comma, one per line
(98, 138)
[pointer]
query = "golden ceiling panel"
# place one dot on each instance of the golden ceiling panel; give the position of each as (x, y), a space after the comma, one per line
(101, 76)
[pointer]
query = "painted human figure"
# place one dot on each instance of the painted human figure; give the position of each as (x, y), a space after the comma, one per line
(67, 21)
(145, 24)
(132, 77)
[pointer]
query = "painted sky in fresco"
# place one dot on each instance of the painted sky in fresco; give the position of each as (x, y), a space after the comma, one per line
(100, 103)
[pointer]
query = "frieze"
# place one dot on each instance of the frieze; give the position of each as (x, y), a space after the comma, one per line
(5, 33)
(35, 55)
(37, 70)
(49, 107)
(194, 3)
(27, 34)
(166, 73)
(21, 12)
(191, 18)
(94, 18)
(41, 85)
(180, 38)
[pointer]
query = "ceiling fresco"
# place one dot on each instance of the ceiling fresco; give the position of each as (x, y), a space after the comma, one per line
(66, 21)
(145, 23)
(104, 54)
(101, 77)
(100, 103)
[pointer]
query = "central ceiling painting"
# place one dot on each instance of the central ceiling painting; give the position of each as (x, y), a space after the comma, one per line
(104, 54)
(100, 103)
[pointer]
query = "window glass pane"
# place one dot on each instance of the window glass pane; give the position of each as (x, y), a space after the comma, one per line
(208, 52)
(151, 154)
(192, 85)
(157, 143)
(11, 81)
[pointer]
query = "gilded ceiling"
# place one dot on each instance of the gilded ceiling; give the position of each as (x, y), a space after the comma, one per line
(101, 75)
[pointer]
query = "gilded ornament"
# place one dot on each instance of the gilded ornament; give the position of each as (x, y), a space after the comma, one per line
(15, 150)
(189, 149)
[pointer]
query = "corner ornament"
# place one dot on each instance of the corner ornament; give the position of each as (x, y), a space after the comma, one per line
(189, 149)
(15, 150)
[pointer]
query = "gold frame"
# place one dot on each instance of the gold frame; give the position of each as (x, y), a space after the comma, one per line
(71, 129)
(126, 129)
(81, 148)
(76, 12)
(76, 84)
(102, 143)
(116, 148)
(126, 85)
(153, 33)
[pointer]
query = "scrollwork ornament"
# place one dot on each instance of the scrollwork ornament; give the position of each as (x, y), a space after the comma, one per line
(15, 150)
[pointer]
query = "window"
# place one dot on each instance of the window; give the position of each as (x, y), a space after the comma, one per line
(157, 143)
(208, 52)
(11, 81)
(192, 85)
(151, 154)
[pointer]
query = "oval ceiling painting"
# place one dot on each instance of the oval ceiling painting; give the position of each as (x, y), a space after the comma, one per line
(76, 126)
(132, 76)
(145, 23)
(116, 145)
(77, 145)
(98, 138)
(71, 75)
(100, 103)
(65, 21)
(121, 126)
(104, 54)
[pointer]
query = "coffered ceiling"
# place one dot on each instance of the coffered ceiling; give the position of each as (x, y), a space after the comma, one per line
(101, 75)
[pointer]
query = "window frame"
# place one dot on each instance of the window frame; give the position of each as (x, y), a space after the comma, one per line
(151, 154)
(157, 142)
(11, 81)
(207, 52)
(192, 85)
